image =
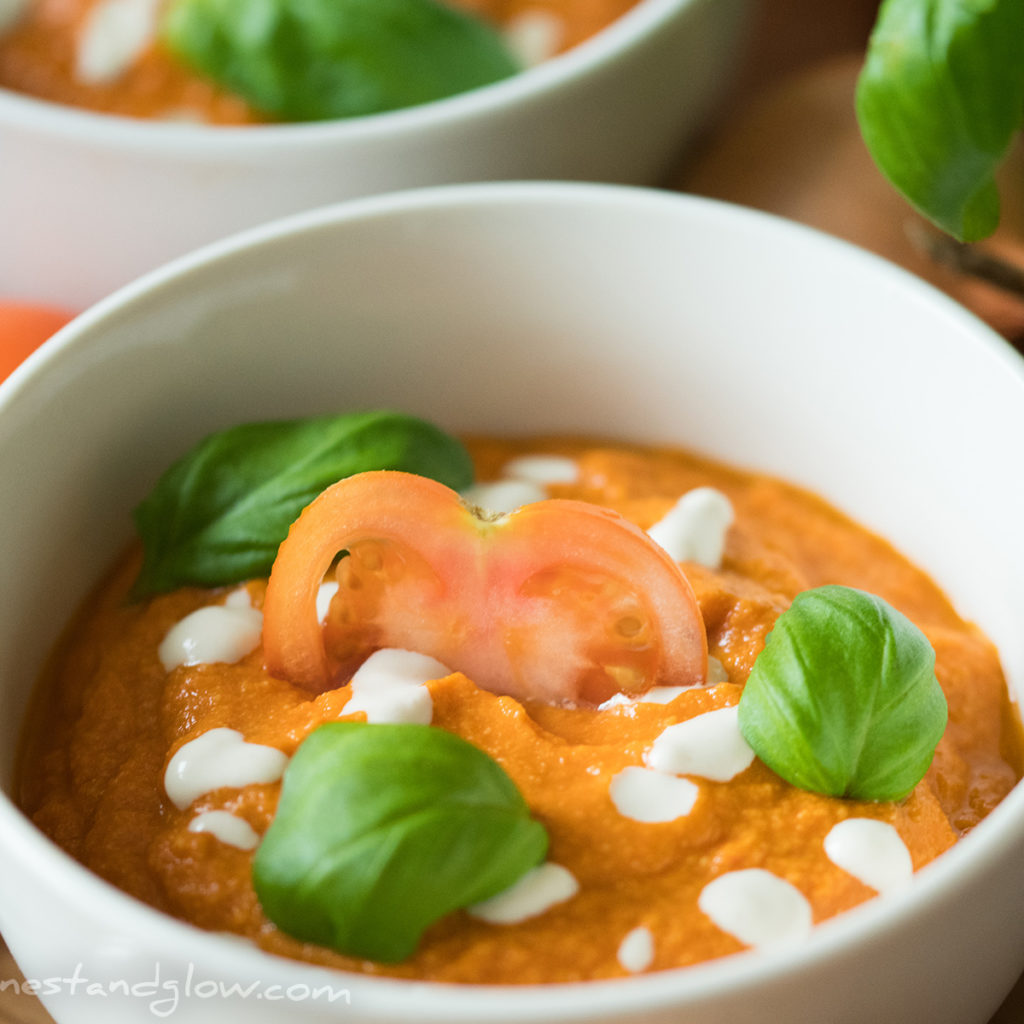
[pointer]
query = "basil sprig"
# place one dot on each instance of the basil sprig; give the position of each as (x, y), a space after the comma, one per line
(382, 830)
(939, 100)
(843, 699)
(308, 60)
(218, 515)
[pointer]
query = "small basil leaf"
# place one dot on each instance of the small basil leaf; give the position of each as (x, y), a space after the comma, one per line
(381, 830)
(218, 515)
(939, 100)
(308, 60)
(843, 699)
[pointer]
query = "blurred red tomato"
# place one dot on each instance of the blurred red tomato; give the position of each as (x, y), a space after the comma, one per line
(23, 328)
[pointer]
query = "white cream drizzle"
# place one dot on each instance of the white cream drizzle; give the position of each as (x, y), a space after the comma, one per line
(503, 495)
(650, 796)
(664, 694)
(217, 758)
(216, 633)
(872, 851)
(524, 480)
(717, 672)
(11, 12)
(227, 827)
(540, 889)
(636, 951)
(757, 907)
(534, 36)
(389, 687)
(324, 595)
(695, 528)
(655, 695)
(115, 34)
(709, 745)
(542, 469)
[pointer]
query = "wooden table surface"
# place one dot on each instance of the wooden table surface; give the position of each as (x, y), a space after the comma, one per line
(16, 1008)
(789, 36)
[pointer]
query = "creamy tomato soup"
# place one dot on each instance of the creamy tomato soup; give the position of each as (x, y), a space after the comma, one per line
(664, 828)
(105, 55)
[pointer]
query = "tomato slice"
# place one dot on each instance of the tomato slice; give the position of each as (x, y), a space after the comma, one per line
(23, 328)
(560, 601)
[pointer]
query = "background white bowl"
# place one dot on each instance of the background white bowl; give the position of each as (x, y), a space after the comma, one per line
(524, 308)
(88, 201)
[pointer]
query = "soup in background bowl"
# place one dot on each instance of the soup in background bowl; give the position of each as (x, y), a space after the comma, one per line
(91, 200)
(493, 310)
(190, 60)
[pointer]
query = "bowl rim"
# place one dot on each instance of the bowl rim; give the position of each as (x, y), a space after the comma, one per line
(531, 85)
(998, 836)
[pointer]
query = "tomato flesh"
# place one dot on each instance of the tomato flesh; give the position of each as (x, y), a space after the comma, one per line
(560, 601)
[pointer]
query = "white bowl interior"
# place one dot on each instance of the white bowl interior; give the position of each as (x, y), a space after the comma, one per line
(603, 310)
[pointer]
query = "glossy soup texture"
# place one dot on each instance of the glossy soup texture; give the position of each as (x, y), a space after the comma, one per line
(87, 53)
(631, 890)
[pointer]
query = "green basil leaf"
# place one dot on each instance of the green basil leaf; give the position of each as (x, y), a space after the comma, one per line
(843, 699)
(939, 100)
(219, 514)
(308, 60)
(382, 830)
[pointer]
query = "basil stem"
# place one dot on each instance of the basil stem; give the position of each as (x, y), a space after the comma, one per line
(939, 100)
(381, 830)
(218, 515)
(307, 60)
(843, 699)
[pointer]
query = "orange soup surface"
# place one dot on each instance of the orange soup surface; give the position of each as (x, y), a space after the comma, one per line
(110, 717)
(54, 51)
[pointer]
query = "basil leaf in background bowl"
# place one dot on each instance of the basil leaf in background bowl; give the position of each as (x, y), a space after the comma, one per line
(382, 830)
(310, 60)
(939, 101)
(843, 700)
(219, 514)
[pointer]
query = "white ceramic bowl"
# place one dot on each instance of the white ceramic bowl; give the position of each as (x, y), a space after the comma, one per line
(88, 201)
(527, 308)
